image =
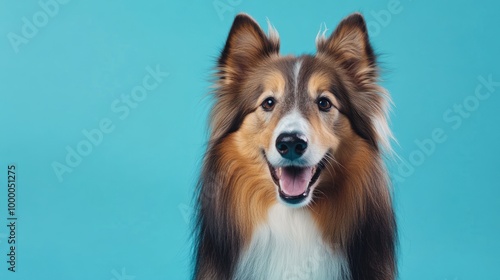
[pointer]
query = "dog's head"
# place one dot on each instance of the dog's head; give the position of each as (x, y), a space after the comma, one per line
(297, 115)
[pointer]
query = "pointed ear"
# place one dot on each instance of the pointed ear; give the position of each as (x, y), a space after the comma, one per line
(350, 46)
(246, 46)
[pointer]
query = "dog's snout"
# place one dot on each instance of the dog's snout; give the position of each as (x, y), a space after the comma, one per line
(291, 145)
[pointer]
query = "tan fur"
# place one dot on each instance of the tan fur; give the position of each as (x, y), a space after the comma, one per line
(251, 192)
(254, 192)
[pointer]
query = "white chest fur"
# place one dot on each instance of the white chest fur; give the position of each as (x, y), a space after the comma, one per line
(289, 247)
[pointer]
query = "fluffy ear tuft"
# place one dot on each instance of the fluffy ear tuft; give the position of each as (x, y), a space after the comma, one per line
(246, 45)
(350, 46)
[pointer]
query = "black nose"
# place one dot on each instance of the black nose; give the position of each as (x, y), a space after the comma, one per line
(291, 145)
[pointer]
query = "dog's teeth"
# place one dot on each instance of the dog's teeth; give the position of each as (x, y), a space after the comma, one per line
(279, 172)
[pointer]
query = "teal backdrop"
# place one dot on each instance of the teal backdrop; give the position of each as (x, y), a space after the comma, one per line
(103, 112)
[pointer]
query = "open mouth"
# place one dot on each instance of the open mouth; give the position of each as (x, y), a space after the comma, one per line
(294, 182)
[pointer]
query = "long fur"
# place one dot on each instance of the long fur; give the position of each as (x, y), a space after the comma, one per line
(351, 209)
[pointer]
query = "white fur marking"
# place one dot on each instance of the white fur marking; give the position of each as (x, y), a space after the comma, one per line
(380, 122)
(289, 246)
(272, 33)
(321, 33)
(296, 71)
(294, 122)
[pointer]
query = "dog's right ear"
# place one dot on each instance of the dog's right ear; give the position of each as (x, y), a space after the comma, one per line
(245, 47)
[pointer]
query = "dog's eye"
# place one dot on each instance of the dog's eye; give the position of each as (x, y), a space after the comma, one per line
(268, 104)
(324, 104)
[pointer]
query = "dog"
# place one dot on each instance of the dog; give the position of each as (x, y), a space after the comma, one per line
(293, 183)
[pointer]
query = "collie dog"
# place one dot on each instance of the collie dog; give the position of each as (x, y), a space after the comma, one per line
(293, 184)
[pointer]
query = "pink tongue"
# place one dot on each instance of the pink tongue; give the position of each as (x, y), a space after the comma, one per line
(294, 181)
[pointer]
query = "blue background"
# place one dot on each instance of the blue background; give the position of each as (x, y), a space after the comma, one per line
(124, 210)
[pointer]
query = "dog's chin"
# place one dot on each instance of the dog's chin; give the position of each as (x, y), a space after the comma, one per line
(295, 183)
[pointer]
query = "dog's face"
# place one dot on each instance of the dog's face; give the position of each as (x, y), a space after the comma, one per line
(295, 122)
(295, 115)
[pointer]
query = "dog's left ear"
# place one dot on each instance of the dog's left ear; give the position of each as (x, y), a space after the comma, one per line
(245, 47)
(349, 45)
